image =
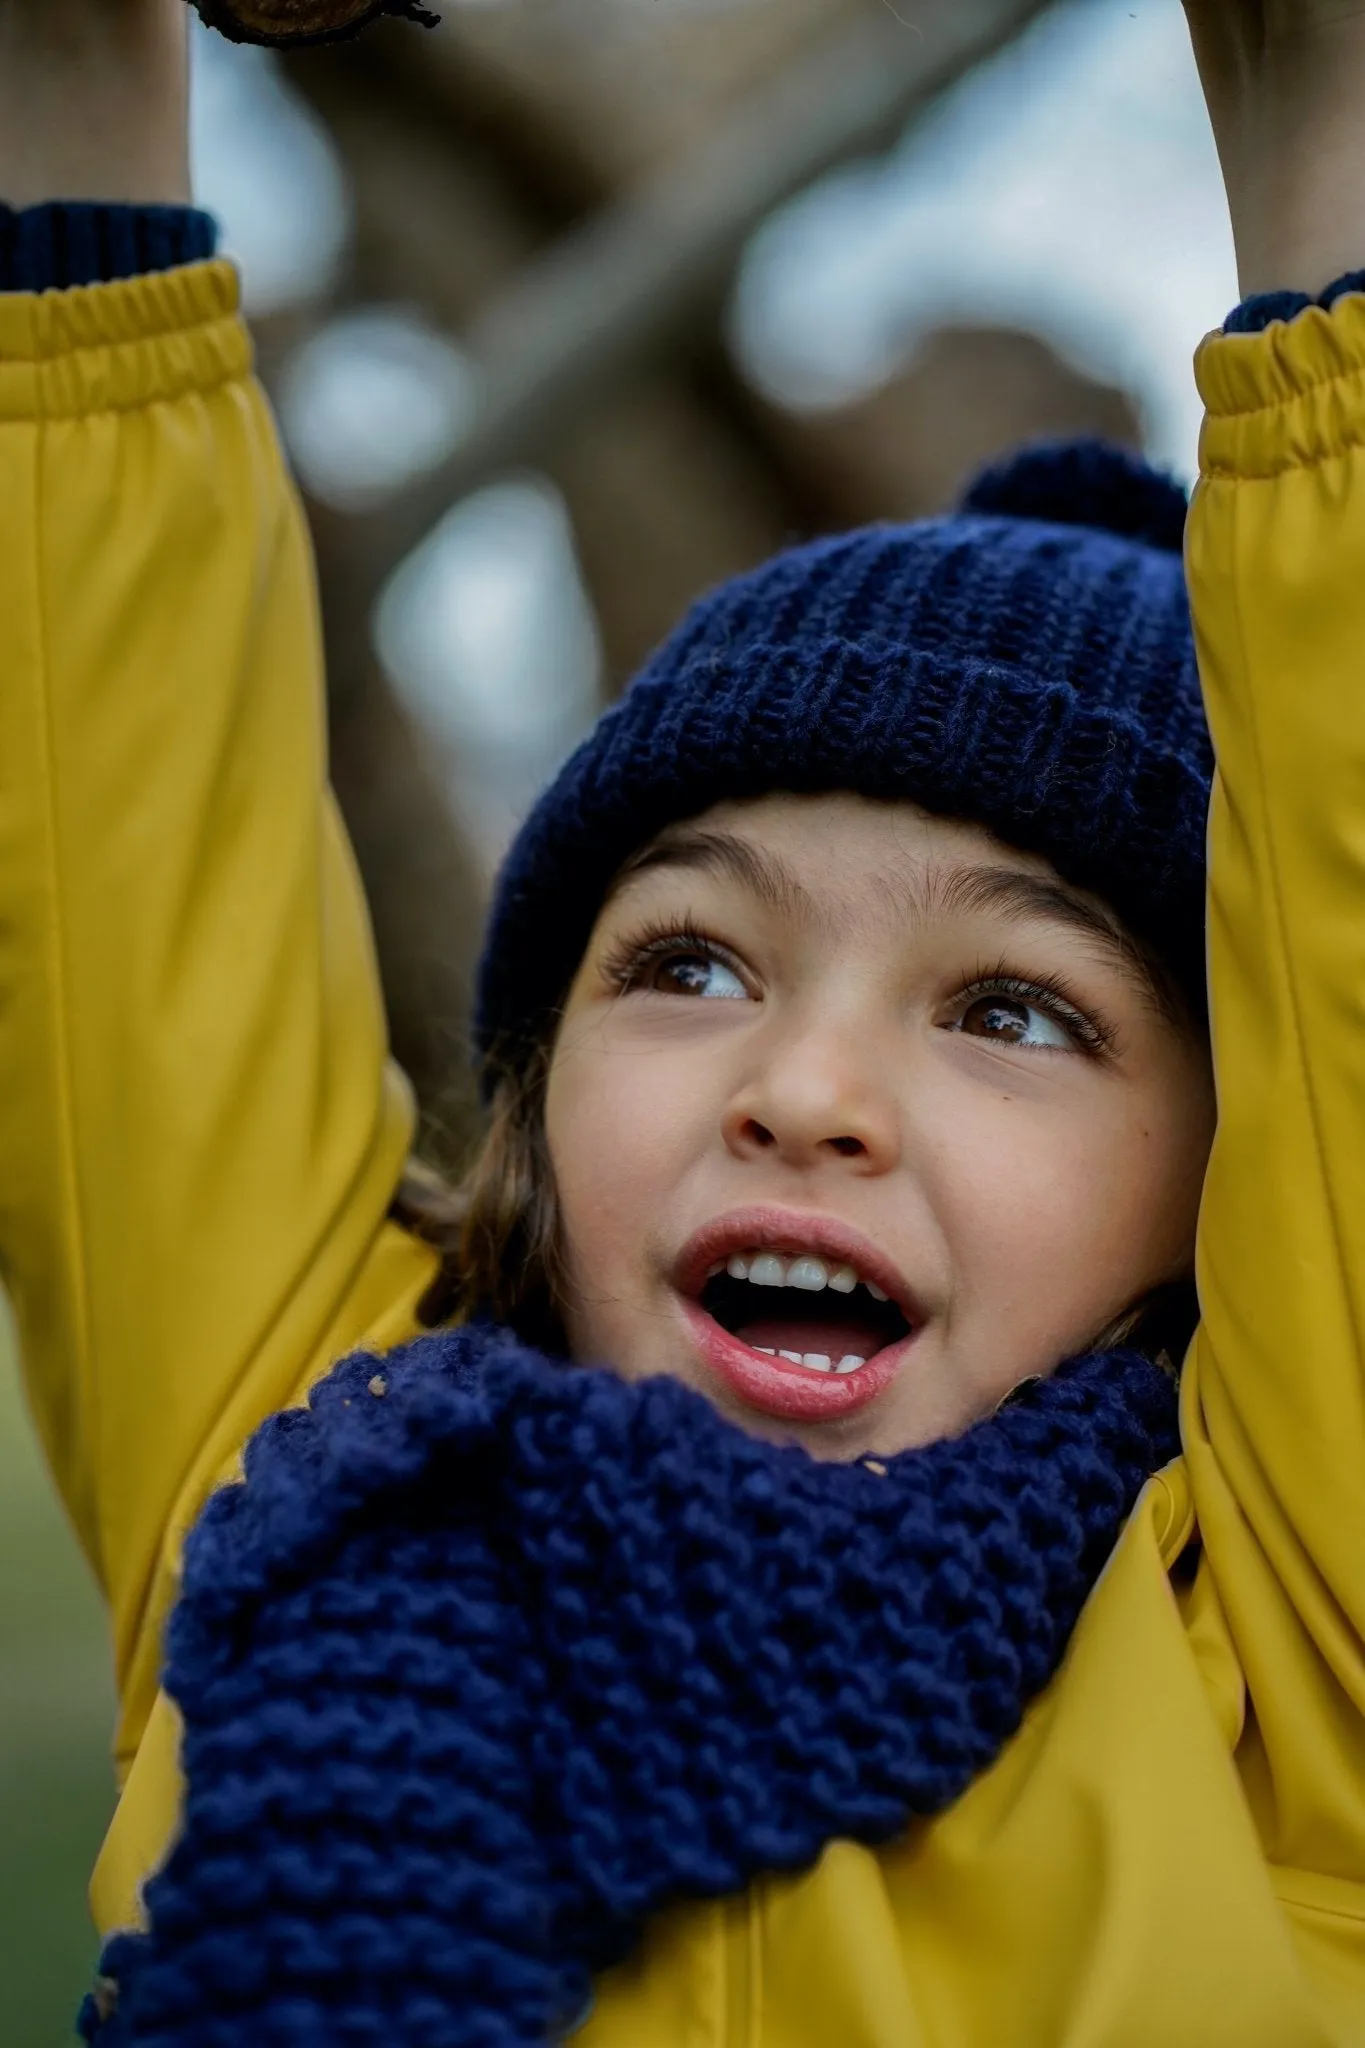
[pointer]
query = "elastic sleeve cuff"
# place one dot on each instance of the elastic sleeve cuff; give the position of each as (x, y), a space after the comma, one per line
(1254, 315)
(135, 341)
(1285, 399)
(79, 242)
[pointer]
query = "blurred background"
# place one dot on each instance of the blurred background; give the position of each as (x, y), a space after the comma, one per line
(569, 309)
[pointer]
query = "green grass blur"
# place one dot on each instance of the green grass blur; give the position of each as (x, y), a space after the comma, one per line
(56, 1714)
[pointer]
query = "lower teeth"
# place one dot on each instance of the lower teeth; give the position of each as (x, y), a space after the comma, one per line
(814, 1361)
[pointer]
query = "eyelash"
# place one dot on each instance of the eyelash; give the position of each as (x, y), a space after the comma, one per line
(1094, 1036)
(624, 967)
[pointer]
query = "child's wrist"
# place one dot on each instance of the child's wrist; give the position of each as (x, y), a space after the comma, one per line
(94, 99)
(1285, 84)
(1298, 200)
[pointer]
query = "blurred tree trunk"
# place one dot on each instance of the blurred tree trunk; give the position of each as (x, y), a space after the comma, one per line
(664, 501)
(420, 875)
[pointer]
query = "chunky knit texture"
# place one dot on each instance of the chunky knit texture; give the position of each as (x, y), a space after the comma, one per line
(1027, 664)
(489, 1658)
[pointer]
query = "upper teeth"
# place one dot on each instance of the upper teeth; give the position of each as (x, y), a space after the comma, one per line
(771, 1269)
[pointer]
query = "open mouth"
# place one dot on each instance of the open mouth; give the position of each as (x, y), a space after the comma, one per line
(804, 1310)
(797, 1332)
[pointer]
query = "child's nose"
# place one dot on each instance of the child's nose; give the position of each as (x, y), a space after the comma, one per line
(816, 1100)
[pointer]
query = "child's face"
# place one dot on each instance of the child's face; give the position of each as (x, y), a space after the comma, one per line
(826, 1027)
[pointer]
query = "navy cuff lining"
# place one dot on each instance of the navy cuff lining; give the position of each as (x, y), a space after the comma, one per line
(1255, 314)
(74, 242)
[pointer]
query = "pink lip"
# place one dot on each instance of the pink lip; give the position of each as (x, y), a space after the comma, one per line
(775, 1386)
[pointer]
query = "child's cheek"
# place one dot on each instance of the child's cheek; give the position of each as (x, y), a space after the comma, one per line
(621, 1136)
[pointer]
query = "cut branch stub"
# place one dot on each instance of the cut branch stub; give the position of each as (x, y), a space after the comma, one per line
(286, 23)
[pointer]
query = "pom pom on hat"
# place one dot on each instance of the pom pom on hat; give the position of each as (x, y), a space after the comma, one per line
(1085, 483)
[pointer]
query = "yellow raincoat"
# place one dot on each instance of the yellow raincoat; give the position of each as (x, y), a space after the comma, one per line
(200, 1138)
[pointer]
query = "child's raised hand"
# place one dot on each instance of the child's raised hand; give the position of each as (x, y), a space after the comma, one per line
(1285, 84)
(93, 100)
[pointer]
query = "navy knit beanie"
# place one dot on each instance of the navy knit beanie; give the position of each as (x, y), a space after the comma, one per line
(1026, 663)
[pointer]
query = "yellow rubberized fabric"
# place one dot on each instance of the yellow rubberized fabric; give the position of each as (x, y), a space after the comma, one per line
(202, 1133)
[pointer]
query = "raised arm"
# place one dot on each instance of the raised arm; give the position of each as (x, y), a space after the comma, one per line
(1275, 1391)
(1285, 81)
(199, 1136)
(94, 101)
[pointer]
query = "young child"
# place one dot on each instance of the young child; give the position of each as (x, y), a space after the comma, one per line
(842, 1026)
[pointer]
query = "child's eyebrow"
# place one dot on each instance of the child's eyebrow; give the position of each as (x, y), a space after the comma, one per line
(948, 888)
(1019, 896)
(765, 875)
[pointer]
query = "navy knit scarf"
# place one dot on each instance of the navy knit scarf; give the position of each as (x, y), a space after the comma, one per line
(487, 1660)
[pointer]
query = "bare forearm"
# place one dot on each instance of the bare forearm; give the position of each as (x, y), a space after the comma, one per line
(1285, 81)
(93, 101)
(1299, 192)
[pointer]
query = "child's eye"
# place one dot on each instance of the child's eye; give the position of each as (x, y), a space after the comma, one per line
(1008, 1010)
(1005, 1017)
(676, 963)
(692, 974)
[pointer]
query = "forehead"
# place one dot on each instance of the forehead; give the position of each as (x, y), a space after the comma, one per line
(864, 826)
(839, 851)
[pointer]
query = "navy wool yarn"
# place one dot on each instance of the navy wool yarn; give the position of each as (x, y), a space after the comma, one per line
(1263, 309)
(1027, 663)
(76, 242)
(487, 1659)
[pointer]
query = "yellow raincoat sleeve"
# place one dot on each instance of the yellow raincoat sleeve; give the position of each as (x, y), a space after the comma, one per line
(200, 1135)
(1275, 1388)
